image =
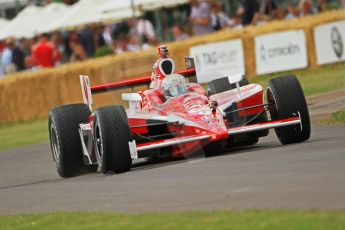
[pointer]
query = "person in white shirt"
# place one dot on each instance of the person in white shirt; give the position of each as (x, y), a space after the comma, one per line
(306, 8)
(7, 56)
(145, 28)
(292, 13)
(219, 20)
(200, 17)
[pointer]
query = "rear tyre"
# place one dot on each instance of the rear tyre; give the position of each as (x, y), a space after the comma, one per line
(111, 136)
(222, 84)
(288, 100)
(65, 140)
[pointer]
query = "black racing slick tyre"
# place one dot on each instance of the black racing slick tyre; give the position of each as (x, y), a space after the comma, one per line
(65, 140)
(287, 100)
(111, 136)
(222, 84)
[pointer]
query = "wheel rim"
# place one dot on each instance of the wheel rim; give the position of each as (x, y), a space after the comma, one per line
(55, 146)
(273, 107)
(98, 144)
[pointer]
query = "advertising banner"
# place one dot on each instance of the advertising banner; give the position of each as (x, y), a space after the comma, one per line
(280, 51)
(330, 42)
(218, 60)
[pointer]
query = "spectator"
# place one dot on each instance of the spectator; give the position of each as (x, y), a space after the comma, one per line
(292, 12)
(71, 36)
(249, 12)
(144, 28)
(58, 42)
(119, 29)
(106, 35)
(236, 22)
(179, 33)
(2, 71)
(86, 37)
(98, 38)
(121, 44)
(219, 19)
(132, 44)
(18, 57)
(146, 43)
(26, 44)
(2, 45)
(306, 8)
(44, 53)
(7, 56)
(279, 14)
(78, 51)
(268, 9)
(132, 27)
(322, 5)
(200, 17)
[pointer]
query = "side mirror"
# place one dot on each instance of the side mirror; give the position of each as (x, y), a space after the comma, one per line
(189, 62)
(133, 99)
(236, 78)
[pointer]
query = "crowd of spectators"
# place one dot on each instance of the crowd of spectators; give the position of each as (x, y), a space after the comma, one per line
(204, 17)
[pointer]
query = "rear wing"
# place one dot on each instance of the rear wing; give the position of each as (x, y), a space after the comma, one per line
(88, 90)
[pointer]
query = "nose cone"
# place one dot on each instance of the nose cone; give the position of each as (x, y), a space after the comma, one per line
(212, 123)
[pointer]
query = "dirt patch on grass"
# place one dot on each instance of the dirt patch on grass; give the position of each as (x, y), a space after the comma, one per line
(321, 106)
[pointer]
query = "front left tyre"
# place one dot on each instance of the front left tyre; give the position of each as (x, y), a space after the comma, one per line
(65, 143)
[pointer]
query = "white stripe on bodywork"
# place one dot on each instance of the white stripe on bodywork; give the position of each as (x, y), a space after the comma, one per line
(233, 95)
(170, 118)
(134, 149)
(259, 127)
(86, 90)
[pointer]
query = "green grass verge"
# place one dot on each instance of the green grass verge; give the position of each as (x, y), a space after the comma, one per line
(182, 220)
(321, 80)
(336, 118)
(23, 133)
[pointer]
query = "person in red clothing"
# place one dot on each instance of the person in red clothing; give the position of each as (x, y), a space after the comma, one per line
(44, 53)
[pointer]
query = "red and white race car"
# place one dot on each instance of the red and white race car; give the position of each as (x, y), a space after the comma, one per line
(173, 117)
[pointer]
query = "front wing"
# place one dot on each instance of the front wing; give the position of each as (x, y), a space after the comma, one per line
(135, 148)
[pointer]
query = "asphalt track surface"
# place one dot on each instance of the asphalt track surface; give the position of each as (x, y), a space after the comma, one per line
(305, 176)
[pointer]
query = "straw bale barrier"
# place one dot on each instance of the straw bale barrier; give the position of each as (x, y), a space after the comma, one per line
(30, 95)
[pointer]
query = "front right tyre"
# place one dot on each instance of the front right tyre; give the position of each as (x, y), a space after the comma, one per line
(111, 136)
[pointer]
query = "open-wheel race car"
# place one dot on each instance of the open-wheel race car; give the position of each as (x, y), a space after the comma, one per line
(173, 118)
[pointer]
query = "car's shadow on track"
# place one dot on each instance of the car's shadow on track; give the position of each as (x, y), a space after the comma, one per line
(156, 163)
(148, 164)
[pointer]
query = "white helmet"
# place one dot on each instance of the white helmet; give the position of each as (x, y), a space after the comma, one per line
(174, 85)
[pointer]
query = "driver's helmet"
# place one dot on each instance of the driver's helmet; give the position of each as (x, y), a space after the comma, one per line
(163, 51)
(174, 85)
